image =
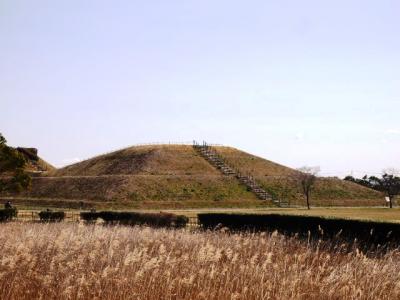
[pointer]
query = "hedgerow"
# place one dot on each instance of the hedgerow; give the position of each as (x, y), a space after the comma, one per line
(7, 214)
(364, 232)
(136, 218)
(52, 216)
(89, 216)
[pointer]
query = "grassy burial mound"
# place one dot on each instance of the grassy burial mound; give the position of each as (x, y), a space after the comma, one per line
(141, 191)
(161, 176)
(277, 180)
(176, 176)
(142, 160)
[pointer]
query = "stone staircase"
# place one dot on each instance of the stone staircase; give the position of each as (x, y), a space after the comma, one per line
(215, 159)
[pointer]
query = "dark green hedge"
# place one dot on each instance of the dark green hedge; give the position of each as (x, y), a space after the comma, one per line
(136, 218)
(52, 216)
(366, 232)
(89, 216)
(7, 214)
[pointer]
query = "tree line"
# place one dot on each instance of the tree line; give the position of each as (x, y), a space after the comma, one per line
(13, 176)
(388, 184)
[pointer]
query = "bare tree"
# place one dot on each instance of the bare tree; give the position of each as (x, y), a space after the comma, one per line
(306, 177)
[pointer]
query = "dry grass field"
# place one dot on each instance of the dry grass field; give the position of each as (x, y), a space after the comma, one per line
(75, 261)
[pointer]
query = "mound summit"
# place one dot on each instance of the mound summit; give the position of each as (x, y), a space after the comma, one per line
(178, 176)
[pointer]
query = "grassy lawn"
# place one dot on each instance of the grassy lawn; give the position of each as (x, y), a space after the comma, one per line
(361, 213)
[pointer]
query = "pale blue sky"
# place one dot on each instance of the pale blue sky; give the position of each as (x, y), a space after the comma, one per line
(297, 82)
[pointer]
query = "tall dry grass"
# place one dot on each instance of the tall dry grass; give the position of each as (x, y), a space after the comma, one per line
(70, 261)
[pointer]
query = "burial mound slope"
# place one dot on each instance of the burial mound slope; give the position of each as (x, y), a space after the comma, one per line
(177, 176)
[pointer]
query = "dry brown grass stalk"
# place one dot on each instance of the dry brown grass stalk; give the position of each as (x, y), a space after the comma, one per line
(75, 261)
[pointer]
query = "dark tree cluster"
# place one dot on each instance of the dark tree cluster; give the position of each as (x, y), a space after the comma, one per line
(388, 184)
(12, 168)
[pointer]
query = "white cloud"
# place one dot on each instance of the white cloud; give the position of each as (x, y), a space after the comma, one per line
(310, 170)
(392, 131)
(68, 161)
(299, 136)
(391, 171)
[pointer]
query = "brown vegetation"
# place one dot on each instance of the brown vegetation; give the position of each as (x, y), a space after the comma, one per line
(144, 191)
(39, 166)
(142, 160)
(176, 176)
(69, 261)
(278, 180)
